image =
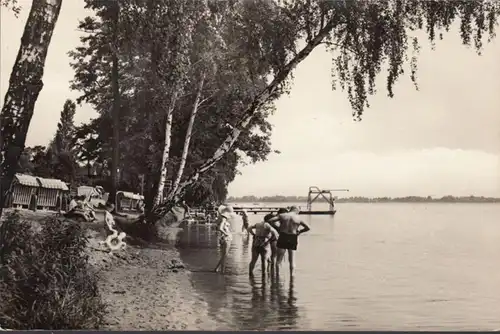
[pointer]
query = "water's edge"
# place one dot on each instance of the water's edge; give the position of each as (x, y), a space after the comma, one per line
(145, 291)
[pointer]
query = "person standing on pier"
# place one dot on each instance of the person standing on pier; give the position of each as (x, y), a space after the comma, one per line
(263, 235)
(288, 226)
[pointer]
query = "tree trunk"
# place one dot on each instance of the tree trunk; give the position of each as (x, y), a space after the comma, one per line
(245, 120)
(115, 112)
(25, 85)
(166, 149)
(187, 139)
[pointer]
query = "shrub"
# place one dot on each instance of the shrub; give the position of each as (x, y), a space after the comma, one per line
(45, 281)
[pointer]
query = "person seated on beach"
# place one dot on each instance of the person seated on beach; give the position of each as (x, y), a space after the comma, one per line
(140, 206)
(288, 226)
(244, 216)
(263, 235)
(76, 208)
(84, 208)
(89, 208)
(225, 237)
(72, 204)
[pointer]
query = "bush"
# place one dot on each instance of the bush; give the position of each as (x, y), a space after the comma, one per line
(45, 281)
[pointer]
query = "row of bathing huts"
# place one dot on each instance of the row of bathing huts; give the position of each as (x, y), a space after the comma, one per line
(37, 193)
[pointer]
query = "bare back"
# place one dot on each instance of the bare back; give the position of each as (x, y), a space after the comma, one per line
(289, 222)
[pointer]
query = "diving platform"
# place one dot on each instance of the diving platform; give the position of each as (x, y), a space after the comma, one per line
(326, 194)
(313, 194)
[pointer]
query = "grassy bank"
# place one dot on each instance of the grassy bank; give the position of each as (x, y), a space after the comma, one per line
(135, 288)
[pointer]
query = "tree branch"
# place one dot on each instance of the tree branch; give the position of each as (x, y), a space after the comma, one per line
(260, 99)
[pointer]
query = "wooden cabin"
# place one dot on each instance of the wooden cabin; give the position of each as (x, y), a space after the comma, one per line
(24, 192)
(51, 193)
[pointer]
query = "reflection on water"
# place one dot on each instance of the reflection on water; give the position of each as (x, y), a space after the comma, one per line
(238, 300)
(423, 267)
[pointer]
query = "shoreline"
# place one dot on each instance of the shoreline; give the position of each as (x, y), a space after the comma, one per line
(148, 289)
(143, 288)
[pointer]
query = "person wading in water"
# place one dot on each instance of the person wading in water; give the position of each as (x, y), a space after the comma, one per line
(288, 226)
(263, 235)
(274, 247)
(244, 217)
(225, 237)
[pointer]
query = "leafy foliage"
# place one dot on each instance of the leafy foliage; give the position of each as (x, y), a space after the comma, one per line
(148, 73)
(367, 35)
(45, 279)
(58, 160)
(65, 128)
(35, 161)
(240, 45)
(371, 36)
(61, 150)
(12, 5)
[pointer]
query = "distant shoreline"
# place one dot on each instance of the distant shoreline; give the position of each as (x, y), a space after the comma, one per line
(409, 199)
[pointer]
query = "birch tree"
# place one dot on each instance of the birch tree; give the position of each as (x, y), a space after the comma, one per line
(189, 131)
(115, 109)
(205, 55)
(25, 85)
(363, 37)
(185, 18)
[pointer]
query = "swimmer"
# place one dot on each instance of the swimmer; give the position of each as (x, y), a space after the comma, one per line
(263, 235)
(244, 216)
(274, 248)
(225, 237)
(288, 226)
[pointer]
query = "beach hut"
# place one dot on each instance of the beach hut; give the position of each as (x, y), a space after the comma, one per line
(95, 195)
(88, 191)
(50, 193)
(24, 189)
(127, 200)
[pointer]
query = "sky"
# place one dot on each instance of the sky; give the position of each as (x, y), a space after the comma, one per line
(441, 140)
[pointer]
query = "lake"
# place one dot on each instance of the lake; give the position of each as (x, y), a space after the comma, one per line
(371, 267)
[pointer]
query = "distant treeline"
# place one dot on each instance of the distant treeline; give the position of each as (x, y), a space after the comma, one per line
(359, 199)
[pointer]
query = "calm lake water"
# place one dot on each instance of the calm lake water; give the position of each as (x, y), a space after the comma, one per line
(371, 267)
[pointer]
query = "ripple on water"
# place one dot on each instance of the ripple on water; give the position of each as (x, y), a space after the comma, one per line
(374, 267)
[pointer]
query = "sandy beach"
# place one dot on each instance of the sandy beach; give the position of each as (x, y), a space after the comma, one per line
(149, 289)
(144, 288)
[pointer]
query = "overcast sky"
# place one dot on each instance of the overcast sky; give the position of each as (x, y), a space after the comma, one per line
(443, 139)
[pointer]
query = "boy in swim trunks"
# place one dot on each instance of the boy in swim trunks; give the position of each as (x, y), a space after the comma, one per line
(274, 248)
(244, 217)
(224, 237)
(263, 235)
(288, 225)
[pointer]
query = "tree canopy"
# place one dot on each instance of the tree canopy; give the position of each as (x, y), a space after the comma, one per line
(246, 52)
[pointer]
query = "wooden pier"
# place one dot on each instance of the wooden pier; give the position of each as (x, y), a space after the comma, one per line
(198, 216)
(269, 209)
(313, 195)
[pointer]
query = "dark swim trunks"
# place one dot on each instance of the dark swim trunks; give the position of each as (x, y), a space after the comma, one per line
(287, 241)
